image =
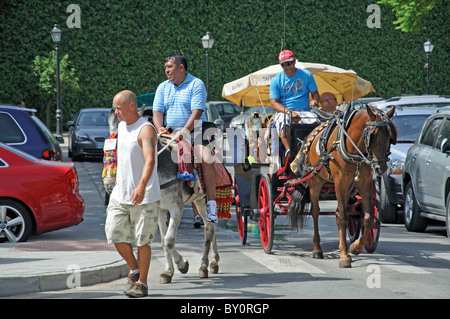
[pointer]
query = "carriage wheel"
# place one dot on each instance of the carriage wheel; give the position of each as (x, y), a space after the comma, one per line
(354, 218)
(354, 227)
(266, 216)
(241, 218)
(374, 235)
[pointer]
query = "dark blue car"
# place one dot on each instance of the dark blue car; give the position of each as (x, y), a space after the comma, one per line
(20, 127)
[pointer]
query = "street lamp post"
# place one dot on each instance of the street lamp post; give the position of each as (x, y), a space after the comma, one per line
(207, 42)
(56, 37)
(428, 48)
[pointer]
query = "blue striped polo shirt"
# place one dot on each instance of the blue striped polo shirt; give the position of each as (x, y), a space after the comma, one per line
(177, 103)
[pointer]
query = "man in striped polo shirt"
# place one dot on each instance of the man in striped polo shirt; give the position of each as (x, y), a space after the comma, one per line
(179, 107)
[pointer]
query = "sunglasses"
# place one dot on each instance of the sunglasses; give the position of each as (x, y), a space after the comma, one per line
(285, 64)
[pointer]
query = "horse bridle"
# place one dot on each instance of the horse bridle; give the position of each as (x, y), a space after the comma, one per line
(367, 138)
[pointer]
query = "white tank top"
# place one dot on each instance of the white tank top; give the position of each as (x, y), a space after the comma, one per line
(130, 163)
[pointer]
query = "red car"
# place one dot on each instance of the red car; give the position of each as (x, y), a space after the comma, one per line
(36, 195)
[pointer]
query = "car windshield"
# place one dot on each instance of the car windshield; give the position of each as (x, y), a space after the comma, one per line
(409, 126)
(260, 109)
(93, 118)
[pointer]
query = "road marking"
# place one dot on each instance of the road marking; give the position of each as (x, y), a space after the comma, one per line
(402, 267)
(279, 264)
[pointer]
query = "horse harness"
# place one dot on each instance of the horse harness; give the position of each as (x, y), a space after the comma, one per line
(325, 154)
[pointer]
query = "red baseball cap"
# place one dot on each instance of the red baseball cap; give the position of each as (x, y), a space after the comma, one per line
(286, 56)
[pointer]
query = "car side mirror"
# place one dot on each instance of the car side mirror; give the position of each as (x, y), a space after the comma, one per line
(219, 123)
(70, 123)
(445, 146)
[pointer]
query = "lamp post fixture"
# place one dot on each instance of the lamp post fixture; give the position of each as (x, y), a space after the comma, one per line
(428, 48)
(207, 42)
(56, 37)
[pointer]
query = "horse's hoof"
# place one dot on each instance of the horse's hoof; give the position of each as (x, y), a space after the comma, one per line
(165, 279)
(203, 272)
(345, 263)
(185, 269)
(317, 254)
(354, 250)
(214, 268)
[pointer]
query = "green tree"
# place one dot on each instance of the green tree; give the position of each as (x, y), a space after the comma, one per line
(410, 14)
(44, 68)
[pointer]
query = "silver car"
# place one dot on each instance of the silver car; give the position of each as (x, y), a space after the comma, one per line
(87, 133)
(426, 178)
(413, 100)
(409, 122)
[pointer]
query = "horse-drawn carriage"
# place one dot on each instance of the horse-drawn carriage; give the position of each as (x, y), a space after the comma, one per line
(265, 186)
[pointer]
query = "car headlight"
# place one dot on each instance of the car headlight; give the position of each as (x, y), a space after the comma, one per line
(82, 138)
(397, 166)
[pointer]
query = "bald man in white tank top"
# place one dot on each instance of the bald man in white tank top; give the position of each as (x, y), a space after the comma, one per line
(132, 212)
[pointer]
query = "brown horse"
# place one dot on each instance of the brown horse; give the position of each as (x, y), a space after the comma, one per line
(346, 154)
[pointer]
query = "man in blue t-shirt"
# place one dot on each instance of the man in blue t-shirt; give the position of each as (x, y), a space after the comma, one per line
(289, 92)
(182, 100)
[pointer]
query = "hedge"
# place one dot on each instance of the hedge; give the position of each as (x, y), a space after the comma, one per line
(121, 44)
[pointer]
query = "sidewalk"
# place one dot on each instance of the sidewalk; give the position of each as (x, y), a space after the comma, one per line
(67, 258)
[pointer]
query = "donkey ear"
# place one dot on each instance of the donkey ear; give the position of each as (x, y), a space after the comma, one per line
(141, 111)
(372, 116)
(391, 112)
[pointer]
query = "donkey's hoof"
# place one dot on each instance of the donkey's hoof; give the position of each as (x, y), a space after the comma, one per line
(203, 272)
(214, 268)
(354, 250)
(317, 254)
(184, 269)
(345, 263)
(165, 279)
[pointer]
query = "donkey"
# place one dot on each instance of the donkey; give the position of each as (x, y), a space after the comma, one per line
(174, 195)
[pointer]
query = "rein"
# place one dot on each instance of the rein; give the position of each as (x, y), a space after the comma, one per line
(342, 150)
(367, 135)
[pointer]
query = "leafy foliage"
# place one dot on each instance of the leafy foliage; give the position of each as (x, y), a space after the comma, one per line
(45, 69)
(410, 14)
(122, 44)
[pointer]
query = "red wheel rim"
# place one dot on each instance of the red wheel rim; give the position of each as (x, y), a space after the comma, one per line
(265, 214)
(372, 239)
(239, 217)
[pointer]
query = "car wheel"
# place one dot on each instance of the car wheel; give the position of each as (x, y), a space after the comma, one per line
(388, 210)
(413, 220)
(447, 216)
(15, 221)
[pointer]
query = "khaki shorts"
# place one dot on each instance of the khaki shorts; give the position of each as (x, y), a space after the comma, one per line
(306, 117)
(125, 223)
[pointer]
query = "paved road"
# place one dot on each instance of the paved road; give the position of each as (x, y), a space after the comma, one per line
(405, 265)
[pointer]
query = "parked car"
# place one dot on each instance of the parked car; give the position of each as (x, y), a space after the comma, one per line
(87, 133)
(239, 121)
(363, 101)
(413, 100)
(426, 178)
(36, 195)
(227, 111)
(21, 128)
(409, 122)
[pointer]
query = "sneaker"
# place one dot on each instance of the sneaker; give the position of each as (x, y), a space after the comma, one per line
(139, 290)
(132, 279)
(198, 221)
(211, 212)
